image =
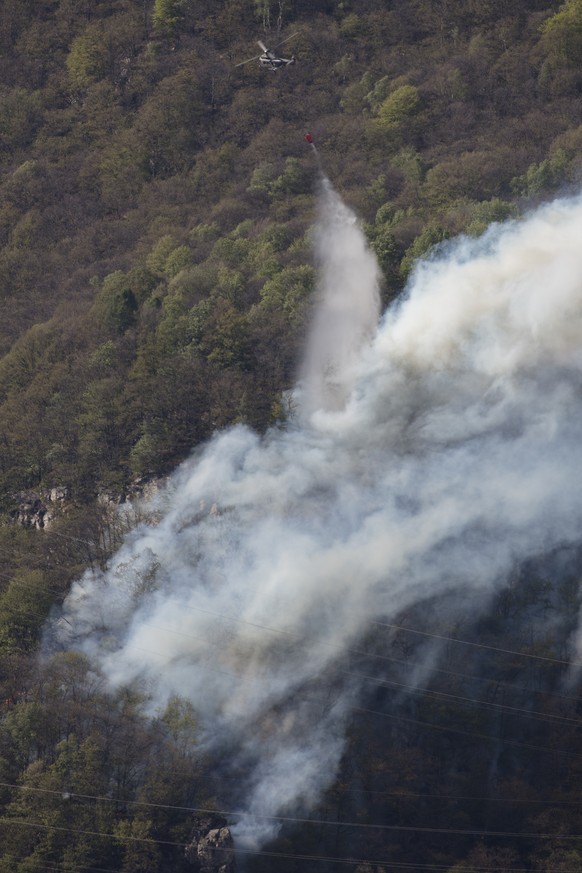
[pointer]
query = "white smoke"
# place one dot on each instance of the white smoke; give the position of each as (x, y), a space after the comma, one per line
(447, 449)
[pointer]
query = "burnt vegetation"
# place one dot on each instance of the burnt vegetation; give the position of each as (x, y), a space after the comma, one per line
(155, 281)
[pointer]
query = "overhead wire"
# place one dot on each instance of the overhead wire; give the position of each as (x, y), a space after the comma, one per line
(391, 863)
(493, 739)
(431, 725)
(380, 864)
(420, 829)
(288, 856)
(382, 682)
(418, 722)
(385, 683)
(66, 794)
(431, 692)
(391, 626)
(546, 717)
(363, 653)
(352, 651)
(472, 643)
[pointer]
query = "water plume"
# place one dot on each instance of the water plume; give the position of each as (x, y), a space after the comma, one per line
(347, 305)
(430, 457)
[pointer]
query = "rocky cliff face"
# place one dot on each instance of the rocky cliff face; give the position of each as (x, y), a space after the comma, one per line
(211, 849)
(36, 509)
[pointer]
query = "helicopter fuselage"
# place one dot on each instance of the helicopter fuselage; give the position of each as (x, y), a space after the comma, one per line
(268, 58)
(272, 62)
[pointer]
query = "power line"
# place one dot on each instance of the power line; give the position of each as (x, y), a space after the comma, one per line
(414, 689)
(83, 832)
(392, 626)
(420, 829)
(438, 727)
(391, 864)
(418, 722)
(369, 655)
(478, 645)
(99, 798)
(362, 653)
(488, 704)
(540, 716)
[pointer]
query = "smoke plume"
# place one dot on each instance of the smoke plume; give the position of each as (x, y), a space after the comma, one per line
(432, 453)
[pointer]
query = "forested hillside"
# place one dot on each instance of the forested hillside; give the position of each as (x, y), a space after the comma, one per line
(157, 201)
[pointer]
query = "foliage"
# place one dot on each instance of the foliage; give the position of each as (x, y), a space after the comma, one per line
(115, 306)
(155, 278)
(562, 34)
(142, 198)
(87, 58)
(398, 106)
(167, 15)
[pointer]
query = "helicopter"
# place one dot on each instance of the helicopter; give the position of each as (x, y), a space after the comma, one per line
(269, 59)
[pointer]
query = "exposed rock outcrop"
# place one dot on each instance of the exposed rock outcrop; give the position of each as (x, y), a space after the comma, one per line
(211, 849)
(38, 509)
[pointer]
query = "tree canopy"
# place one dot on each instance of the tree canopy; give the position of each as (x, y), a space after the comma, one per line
(156, 275)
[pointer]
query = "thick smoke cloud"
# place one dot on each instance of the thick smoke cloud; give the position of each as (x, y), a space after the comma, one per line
(431, 453)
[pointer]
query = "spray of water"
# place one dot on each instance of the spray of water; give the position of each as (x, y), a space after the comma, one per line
(430, 456)
(347, 306)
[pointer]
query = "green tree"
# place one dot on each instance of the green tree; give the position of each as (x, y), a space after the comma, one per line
(87, 61)
(400, 105)
(68, 825)
(120, 175)
(101, 443)
(167, 16)
(432, 235)
(24, 607)
(141, 854)
(115, 307)
(289, 291)
(489, 212)
(168, 128)
(180, 721)
(543, 177)
(20, 117)
(562, 34)
(387, 251)
(229, 343)
(476, 175)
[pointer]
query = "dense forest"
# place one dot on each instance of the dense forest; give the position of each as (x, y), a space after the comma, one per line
(157, 201)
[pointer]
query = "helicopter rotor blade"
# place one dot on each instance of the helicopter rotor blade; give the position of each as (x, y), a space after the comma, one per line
(297, 32)
(248, 60)
(265, 50)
